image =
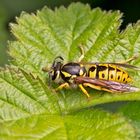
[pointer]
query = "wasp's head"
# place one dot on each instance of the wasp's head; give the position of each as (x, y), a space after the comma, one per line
(54, 72)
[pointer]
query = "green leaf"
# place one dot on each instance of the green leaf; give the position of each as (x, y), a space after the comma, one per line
(97, 125)
(23, 95)
(39, 39)
(42, 37)
(131, 111)
(130, 40)
(30, 111)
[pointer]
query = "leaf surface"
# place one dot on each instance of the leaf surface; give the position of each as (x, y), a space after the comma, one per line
(25, 97)
(131, 112)
(96, 125)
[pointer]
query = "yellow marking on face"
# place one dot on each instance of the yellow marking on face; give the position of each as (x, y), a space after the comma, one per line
(58, 74)
(66, 74)
(81, 72)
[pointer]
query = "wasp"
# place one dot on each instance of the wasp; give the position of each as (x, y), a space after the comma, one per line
(110, 77)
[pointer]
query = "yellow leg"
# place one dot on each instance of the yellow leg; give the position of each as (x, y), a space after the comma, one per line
(82, 52)
(64, 85)
(107, 90)
(92, 86)
(84, 90)
(97, 87)
(129, 60)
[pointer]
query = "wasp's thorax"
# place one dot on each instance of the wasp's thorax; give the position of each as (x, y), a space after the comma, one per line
(66, 72)
(71, 70)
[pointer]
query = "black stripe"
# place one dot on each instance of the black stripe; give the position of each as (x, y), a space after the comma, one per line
(92, 69)
(100, 68)
(118, 70)
(110, 68)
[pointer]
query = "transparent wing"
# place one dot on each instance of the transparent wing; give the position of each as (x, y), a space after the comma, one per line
(108, 85)
(125, 65)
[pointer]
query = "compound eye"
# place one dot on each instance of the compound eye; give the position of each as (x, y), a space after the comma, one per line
(54, 74)
(57, 60)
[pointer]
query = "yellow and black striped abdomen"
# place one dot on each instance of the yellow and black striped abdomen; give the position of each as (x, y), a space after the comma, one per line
(109, 72)
(98, 71)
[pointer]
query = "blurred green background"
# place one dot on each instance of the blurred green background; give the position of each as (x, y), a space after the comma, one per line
(9, 9)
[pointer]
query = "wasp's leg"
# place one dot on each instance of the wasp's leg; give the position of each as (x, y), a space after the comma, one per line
(84, 90)
(129, 60)
(64, 85)
(97, 87)
(92, 86)
(82, 53)
(108, 90)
